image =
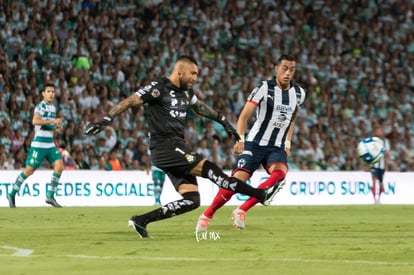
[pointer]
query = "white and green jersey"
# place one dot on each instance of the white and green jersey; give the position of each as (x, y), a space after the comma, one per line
(155, 168)
(43, 137)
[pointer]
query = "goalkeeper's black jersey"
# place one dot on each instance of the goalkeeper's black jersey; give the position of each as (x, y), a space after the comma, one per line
(166, 109)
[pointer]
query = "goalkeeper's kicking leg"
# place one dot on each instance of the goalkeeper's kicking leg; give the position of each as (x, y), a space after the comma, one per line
(186, 185)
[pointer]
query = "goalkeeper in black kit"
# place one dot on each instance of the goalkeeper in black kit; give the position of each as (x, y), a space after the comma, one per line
(168, 100)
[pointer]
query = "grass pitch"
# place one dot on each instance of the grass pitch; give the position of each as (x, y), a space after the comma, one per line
(376, 239)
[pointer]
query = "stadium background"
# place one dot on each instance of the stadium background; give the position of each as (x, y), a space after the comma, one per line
(355, 60)
(135, 188)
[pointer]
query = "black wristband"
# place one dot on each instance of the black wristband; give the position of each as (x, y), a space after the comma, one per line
(221, 118)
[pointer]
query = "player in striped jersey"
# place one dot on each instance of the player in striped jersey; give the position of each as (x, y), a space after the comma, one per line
(168, 100)
(378, 169)
(275, 102)
(42, 146)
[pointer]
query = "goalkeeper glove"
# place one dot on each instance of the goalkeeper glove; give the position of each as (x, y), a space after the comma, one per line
(94, 128)
(231, 132)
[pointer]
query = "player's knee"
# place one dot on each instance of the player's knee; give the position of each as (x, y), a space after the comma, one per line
(194, 197)
(28, 171)
(58, 166)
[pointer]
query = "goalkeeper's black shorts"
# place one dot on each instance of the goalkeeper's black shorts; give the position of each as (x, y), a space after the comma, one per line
(176, 159)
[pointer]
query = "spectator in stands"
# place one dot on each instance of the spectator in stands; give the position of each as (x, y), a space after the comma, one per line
(114, 163)
(354, 38)
(17, 141)
(348, 165)
(80, 162)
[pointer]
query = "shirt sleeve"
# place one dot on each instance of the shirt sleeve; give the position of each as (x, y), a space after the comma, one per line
(258, 93)
(302, 97)
(39, 110)
(149, 92)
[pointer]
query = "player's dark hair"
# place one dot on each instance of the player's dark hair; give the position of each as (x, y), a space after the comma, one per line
(48, 84)
(287, 57)
(187, 58)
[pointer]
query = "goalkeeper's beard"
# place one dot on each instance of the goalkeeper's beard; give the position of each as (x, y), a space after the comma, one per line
(184, 84)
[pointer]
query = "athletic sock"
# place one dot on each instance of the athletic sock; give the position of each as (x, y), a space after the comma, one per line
(273, 179)
(157, 201)
(53, 185)
(190, 201)
(381, 190)
(218, 177)
(219, 200)
(157, 191)
(374, 190)
(19, 181)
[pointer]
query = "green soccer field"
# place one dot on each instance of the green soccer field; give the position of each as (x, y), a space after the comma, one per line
(377, 239)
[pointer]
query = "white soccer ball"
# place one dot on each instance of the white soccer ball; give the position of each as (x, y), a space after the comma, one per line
(371, 149)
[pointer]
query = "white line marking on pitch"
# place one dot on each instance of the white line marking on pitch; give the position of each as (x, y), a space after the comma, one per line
(19, 252)
(234, 259)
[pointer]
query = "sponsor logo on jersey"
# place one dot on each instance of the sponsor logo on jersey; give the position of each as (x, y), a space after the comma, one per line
(155, 93)
(180, 114)
(284, 108)
(241, 163)
(282, 117)
(174, 102)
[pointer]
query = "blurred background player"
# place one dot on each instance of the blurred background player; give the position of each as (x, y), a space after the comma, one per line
(276, 102)
(378, 169)
(158, 177)
(42, 147)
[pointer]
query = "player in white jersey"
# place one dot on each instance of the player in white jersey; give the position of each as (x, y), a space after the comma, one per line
(378, 169)
(42, 147)
(275, 102)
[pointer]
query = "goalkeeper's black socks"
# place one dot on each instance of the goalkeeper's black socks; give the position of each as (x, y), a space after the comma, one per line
(190, 201)
(216, 175)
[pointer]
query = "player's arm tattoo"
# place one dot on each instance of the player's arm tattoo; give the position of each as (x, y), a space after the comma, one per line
(131, 101)
(202, 109)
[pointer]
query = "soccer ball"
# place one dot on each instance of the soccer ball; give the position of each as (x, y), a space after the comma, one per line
(371, 150)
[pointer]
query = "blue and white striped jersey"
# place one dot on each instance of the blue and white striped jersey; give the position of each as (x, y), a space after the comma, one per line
(381, 164)
(274, 112)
